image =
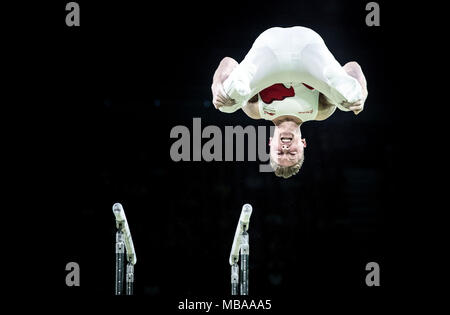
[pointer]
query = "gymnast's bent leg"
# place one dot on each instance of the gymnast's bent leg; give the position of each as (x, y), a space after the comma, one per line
(283, 55)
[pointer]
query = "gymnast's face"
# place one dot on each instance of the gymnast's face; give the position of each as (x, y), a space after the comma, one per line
(287, 145)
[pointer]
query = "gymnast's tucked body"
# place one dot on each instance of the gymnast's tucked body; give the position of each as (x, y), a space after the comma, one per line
(289, 77)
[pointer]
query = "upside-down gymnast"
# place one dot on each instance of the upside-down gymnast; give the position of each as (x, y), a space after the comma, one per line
(289, 77)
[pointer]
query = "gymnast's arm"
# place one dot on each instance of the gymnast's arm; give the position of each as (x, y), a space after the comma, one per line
(354, 70)
(327, 106)
(325, 109)
(251, 108)
(220, 98)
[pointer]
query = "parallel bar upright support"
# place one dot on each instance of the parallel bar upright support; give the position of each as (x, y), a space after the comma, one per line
(235, 279)
(120, 262)
(130, 278)
(244, 263)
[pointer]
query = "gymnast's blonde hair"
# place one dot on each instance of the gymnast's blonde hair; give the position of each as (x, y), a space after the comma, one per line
(287, 171)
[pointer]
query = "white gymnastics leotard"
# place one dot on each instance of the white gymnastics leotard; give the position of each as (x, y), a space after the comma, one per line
(296, 57)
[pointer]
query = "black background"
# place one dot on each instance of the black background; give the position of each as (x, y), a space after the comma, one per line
(109, 93)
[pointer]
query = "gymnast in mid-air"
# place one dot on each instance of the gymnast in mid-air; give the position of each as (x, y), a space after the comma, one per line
(289, 77)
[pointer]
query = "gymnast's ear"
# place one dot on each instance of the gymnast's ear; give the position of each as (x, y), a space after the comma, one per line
(270, 140)
(304, 142)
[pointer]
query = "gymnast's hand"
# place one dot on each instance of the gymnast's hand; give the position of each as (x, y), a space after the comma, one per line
(220, 98)
(354, 70)
(358, 106)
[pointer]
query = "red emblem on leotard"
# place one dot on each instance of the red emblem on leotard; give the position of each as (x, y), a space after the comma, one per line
(309, 87)
(278, 92)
